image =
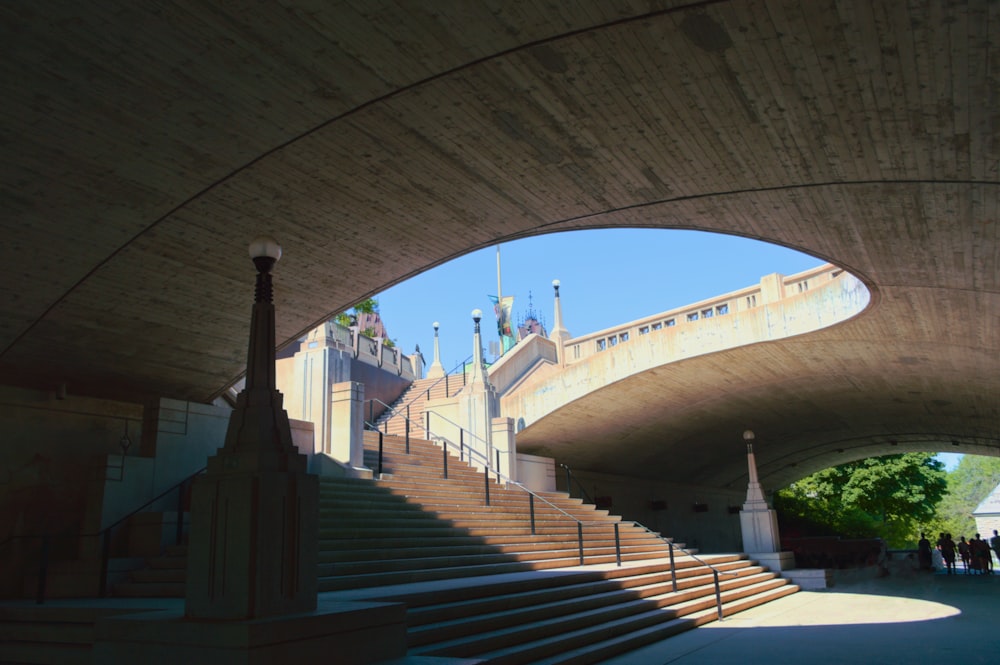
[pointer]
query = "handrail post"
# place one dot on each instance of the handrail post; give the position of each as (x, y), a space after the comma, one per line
(718, 593)
(531, 509)
(447, 391)
(427, 424)
(444, 458)
(380, 435)
(618, 546)
(371, 411)
(498, 465)
(673, 570)
(461, 445)
(407, 422)
(486, 476)
(179, 533)
(569, 486)
(43, 570)
(105, 556)
(579, 536)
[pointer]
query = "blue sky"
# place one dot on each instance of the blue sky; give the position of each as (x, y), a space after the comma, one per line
(607, 277)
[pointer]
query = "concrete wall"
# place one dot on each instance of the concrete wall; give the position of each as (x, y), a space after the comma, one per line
(640, 500)
(52, 468)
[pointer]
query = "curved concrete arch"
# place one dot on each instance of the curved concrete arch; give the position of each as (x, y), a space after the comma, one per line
(376, 141)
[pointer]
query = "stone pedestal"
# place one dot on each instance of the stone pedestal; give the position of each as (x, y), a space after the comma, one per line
(253, 550)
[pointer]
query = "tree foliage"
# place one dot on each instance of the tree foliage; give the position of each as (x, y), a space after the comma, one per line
(968, 484)
(887, 497)
(350, 317)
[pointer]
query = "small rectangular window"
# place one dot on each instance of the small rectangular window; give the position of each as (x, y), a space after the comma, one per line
(644, 330)
(624, 336)
(693, 316)
(601, 345)
(722, 309)
(671, 323)
(751, 301)
(657, 326)
(613, 341)
(707, 313)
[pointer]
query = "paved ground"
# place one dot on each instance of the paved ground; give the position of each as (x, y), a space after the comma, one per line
(905, 618)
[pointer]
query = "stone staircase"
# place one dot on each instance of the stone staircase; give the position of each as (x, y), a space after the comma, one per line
(413, 401)
(478, 581)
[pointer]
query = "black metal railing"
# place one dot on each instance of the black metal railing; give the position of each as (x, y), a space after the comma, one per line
(671, 547)
(424, 393)
(466, 452)
(105, 534)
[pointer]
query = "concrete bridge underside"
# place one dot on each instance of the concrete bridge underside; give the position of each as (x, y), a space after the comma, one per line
(143, 147)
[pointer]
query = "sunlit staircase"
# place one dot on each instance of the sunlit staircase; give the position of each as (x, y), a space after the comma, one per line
(497, 579)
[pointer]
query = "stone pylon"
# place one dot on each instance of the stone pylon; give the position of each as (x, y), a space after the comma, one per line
(559, 333)
(436, 370)
(478, 403)
(759, 522)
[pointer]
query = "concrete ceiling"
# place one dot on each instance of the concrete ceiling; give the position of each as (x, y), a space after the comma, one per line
(143, 146)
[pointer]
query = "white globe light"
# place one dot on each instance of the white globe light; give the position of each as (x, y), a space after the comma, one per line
(265, 246)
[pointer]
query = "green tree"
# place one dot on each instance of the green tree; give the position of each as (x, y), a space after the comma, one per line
(887, 497)
(350, 317)
(968, 484)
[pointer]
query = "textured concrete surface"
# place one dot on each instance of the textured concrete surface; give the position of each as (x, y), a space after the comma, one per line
(900, 619)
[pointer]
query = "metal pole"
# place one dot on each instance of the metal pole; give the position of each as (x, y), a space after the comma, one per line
(105, 556)
(461, 444)
(371, 411)
(531, 508)
(498, 465)
(569, 488)
(427, 424)
(673, 570)
(43, 570)
(618, 546)
(447, 391)
(380, 453)
(444, 457)
(179, 535)
(718, 593)
(407, 434)
(579, 535)
(486, 476)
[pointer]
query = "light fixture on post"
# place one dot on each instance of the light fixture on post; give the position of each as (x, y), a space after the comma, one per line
(255, 512)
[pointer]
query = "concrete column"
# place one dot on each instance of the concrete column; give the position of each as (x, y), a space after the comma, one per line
(559, 333)
(436, 370)
(504, 441)
(772, 288)
(346, 442)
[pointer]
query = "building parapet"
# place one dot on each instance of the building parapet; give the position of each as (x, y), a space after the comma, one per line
(772, 288)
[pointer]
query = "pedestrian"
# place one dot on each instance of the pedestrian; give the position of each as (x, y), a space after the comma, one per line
(965, 553)
(924, 553)
(948, 553)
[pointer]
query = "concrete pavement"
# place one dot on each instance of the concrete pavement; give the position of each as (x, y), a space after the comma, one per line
(908, 617)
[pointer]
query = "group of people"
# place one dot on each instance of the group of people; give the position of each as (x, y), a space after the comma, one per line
(975, 553)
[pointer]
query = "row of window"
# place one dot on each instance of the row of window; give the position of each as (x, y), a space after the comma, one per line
(708, 313)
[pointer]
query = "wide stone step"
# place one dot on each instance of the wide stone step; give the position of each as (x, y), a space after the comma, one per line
(550, 635)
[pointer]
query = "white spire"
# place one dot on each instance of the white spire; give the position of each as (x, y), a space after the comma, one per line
(436, 370)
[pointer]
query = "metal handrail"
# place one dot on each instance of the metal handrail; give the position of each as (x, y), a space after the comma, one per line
(445, 442)
(488, 469)
(443, 378)
(671, 547)
(43, 562)
(570, 478)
